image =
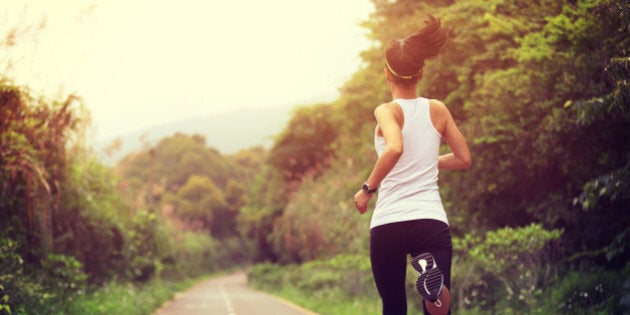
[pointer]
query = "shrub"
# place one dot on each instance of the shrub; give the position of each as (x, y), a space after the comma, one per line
(63, 276)
(521, 258)
(10, 271)
(589, 292)
(195, 254)
(268, 276)
(126, 298)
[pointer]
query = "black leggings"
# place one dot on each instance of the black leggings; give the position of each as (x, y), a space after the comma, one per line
(389, 246)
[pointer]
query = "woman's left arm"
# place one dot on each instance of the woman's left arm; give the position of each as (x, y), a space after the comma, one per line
(392, 133)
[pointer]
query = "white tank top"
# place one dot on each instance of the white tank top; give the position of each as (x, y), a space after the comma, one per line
(410, 189)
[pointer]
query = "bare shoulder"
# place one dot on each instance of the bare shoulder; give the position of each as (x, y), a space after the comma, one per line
(384, 108)
(439, 115)
(438, 109)
(389, 112)
(437, 105)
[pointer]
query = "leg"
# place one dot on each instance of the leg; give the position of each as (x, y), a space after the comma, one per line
(434, 237)
(389, 266)
(443, 260)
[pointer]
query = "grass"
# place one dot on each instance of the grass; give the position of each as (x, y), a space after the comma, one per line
(341, 285)
(129, 299)
(332, 303)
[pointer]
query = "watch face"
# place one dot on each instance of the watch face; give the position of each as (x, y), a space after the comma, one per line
(366, 189)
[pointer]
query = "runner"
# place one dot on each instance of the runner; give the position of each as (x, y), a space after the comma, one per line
(409, 218)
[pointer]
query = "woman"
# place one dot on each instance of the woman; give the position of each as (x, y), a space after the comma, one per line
(409, 217)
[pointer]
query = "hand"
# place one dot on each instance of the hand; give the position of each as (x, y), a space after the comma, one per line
(361, 200)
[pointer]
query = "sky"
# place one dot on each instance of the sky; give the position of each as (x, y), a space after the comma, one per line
(140, 63)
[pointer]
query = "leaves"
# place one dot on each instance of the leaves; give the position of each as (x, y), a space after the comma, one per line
(199, 199)
(613, 186)
(522, 258)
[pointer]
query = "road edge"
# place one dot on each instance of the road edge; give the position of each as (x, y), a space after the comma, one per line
(288, 303)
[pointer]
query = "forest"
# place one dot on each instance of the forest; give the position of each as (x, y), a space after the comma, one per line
(541, 221)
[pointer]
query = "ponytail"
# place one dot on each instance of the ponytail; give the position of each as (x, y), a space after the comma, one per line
(405, 57)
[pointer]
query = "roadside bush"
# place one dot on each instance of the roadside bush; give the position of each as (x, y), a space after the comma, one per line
(228, 253)
(126, 298)
(340, 285)
(589, 292)
(305, 230)
(148, 241)
(269, 277)
(474, 289)
(193, 255)
(58, 282)
(63, 276)
(350, 274)
(11, 280)
(522, 259)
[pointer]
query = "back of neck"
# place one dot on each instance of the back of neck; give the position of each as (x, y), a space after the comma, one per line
(406, 93)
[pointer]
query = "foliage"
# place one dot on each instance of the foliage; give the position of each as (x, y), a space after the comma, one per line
(93, 217)
(341, 285)
(63, 275)
(67, 226)
(141, 251)
(521, 258)
(127, 298)
(190, 182)
(194, 254)
(304, 147)
(540, 92)
(539, 89)
(302, 233)
(589, 291)
(10, 272)
(267, 199)
(33, 162)
(301, 152)
(198, 199)
(173, 160)
(611, 186)
(34, 136)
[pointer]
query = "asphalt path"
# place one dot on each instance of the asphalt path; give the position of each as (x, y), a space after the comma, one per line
(228, 295)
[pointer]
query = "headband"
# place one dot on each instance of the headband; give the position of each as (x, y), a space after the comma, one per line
(398, 75)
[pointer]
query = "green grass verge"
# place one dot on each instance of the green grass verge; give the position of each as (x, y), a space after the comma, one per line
(333, 303)
(342, 285)
(129, 299)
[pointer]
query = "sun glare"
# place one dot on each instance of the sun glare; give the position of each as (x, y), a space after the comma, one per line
(155, 61)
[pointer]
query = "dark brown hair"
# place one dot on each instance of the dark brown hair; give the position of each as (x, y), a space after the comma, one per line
(405, 57)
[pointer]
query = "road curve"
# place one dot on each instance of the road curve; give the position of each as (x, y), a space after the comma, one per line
(228, 295)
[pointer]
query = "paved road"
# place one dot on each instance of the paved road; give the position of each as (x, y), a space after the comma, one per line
(228, 295)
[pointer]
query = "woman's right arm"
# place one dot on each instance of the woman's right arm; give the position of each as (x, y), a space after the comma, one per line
(459, 158)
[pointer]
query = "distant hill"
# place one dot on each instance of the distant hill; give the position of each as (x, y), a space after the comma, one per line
(227, 132)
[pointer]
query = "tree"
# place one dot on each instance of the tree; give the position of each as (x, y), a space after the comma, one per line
(199, 200)
(304, 147)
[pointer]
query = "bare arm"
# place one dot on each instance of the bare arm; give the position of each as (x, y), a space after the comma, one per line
(394, 146)
(460, 157)
(392, 133)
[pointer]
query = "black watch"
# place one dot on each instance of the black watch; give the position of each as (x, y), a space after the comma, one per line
(366, 189)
